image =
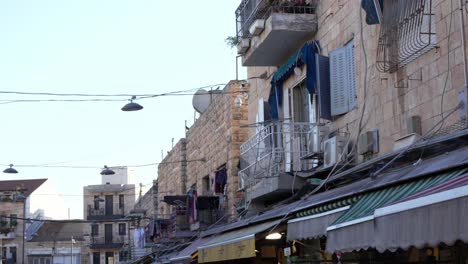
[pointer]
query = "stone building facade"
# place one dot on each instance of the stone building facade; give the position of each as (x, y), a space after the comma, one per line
(427, 87)
(211, 144)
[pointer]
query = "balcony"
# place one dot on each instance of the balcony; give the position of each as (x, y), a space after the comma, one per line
(7, 236)
(270, 159)
(101, 214)
(269, 31)
(115, 242)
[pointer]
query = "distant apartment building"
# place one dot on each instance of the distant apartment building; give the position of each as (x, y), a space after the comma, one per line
(60, 242)
(106, 205)
(14, 208)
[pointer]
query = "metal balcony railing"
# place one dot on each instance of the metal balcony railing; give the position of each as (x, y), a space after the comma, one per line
(100, 213)
(117, 241)
(251, 10)
(277, 147)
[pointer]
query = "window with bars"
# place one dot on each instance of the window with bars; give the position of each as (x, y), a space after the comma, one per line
(407, 31)
(342, 80)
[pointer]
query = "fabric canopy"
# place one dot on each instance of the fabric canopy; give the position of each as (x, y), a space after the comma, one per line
(354, 230)
(312, 226)
(237, 244)
(305, 55)
(438, 215)
(185, 255)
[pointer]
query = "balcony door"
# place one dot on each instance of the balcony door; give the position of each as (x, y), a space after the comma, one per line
(96, 258)
(299, 111)
(109, 204)
(108, 233)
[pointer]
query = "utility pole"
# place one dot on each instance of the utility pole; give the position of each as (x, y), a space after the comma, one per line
(71, 249)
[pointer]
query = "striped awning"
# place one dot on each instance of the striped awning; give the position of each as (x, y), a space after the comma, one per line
(428, 218)
(237, 244)
(354, 230)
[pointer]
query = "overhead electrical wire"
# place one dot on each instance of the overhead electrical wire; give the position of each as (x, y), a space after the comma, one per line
(100, 167)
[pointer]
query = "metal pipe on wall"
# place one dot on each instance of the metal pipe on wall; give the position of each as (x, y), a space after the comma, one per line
(462, 22)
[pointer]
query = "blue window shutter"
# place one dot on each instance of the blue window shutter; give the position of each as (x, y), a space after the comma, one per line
(351, 76)
(323, 86)
(338, 82)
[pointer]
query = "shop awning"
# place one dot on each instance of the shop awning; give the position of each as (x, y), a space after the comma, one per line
(313, 226)
(237, 244)
(354, 230)
(185, 256)
(437, 215)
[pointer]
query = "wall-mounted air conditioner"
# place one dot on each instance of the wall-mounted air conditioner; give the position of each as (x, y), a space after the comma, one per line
(333, 150)
(257, 27)
(243, 46)
(319, 134)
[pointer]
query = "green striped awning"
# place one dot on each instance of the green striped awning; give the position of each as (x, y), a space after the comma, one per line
(329, 206)
(369, 202)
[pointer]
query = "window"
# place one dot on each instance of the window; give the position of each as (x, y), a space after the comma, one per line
(220, 179)
(96, 258)
(206, 183)
(122, 230)
(342, 80)
(13, 254)
(41, 260)
(96, 202)
(94, 230)
(121, 201)
(408, 30)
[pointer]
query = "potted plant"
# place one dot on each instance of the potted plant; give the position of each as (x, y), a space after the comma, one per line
(6, 199)
(232, 41)
(4, 230)
(13, 223)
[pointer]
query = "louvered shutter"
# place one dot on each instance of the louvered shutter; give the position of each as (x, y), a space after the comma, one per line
(351, 71)
(342, 80)
(338, 82)
(323, 86)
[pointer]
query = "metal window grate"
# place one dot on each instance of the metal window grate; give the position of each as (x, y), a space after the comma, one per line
(407, 32)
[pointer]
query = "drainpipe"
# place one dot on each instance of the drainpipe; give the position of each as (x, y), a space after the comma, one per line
(462, 22)
(465, 67)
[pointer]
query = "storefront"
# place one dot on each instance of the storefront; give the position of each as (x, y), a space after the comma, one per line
(249, 244)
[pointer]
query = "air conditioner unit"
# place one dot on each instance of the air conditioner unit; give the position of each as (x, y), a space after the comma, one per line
(319, 133)
(333, 150)
(243, 46)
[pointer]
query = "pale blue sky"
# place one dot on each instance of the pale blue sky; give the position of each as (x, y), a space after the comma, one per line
(110, 47)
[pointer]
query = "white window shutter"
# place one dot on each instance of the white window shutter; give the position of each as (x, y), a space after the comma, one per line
(338, 82)
(260, 113)
(342, 80)
(351, 76)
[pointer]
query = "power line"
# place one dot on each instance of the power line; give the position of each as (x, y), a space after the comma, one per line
(100, 167)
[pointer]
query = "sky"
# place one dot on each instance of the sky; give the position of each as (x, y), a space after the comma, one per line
(103, 47)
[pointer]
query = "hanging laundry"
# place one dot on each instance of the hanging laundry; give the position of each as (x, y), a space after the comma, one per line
(220, 180)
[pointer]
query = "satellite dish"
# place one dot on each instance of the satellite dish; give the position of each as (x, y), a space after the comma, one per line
(201, 100)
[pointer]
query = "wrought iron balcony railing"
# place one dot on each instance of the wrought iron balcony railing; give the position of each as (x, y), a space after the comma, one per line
(251, 10)
(115, 241)
(100, 213)
(277, 147)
